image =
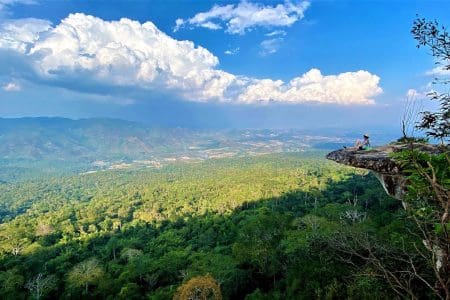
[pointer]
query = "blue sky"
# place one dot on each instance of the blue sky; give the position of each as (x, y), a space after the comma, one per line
(258, 64)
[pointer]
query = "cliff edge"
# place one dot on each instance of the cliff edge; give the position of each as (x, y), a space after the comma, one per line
(383, 166)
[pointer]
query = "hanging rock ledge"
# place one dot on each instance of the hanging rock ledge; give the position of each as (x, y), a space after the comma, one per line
(378, 160)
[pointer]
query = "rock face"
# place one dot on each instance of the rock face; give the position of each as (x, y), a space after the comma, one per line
(378, 160)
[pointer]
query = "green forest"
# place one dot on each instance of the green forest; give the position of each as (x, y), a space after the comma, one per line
(285, 226)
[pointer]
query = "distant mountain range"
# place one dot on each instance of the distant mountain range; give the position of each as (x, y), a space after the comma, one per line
(91, 144)
(85, 139)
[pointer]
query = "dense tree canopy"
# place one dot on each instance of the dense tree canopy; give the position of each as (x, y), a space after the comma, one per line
(267, 227)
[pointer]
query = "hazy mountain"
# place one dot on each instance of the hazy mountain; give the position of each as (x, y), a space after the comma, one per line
(48, 145)
(78, 140)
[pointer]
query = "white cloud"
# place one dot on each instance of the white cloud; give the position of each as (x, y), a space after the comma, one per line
(415, 94)
(275, 33)
(412, 93)
(178, 24)
(128, 59)
(21, 34)
(347, 88)
(245, 16)
(439, 71)
(423, 92)
(12, 87)
(232, 51)
(121, 53)
(270, 46)
(211, 25)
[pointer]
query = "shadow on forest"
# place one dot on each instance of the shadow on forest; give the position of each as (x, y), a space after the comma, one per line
(219, 244)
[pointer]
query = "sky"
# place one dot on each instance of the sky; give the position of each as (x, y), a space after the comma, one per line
(217, 64)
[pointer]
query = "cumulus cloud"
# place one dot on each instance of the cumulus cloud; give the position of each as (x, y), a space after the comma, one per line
(11, 87)
(138, 61)
(121, 53)
(21, 34)
(347, 88)
(242, 17)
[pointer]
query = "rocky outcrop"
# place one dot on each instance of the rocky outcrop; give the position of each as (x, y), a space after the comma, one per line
(390, 174)
(379, 161)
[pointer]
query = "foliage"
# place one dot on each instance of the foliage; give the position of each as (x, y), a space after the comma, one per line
(85, 273)
(199, 288)
(427, 202)
(427, 176)
(263, 227)
(430, 34)
(40, 285)
(409, 139)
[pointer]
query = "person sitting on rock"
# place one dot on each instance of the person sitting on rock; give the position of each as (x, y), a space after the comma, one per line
(364, 144)
(361, 145)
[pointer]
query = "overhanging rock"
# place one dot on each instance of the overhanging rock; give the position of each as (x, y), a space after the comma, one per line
(378, 160)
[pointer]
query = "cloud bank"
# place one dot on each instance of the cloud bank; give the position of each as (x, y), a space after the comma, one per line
(243, 17)
(346, 88)
(121, 53)
(87, 54)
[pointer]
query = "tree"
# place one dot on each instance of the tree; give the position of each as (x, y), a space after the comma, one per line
(199, 288)
(11, 282)
(130, 291)
(258, 241)
(427, 202)
(43, 229)
(428, 175)
(130, 254)
(40, 285)
(437, 39)
(85, 273)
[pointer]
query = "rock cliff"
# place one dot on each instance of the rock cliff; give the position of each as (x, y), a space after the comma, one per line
(379, 161)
